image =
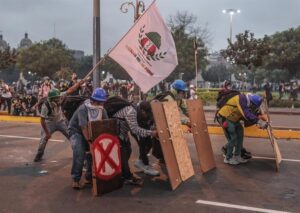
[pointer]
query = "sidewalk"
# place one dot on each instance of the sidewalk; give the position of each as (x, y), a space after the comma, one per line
(295, 111)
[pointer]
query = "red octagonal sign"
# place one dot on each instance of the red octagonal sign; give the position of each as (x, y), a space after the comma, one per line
(107, 157)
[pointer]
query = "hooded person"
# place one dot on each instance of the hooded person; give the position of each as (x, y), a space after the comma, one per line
(52, 118)
(239, 107)
(91, 110)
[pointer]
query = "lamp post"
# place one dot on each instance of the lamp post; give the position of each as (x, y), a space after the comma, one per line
(231, 12)
(96, 42)
(138, 8)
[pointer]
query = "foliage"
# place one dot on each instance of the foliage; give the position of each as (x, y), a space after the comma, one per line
(217, 73)
(184, 31)
(247, 50)
(63, 73)
(7, 58)
(115, 69)
(82, 66)
(44, 58)
(285, 51)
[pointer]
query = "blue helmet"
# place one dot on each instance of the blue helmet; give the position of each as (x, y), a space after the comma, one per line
(255, 99)
(99, 95)
(179, 85)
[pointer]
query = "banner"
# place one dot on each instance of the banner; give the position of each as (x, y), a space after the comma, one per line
(147, 52)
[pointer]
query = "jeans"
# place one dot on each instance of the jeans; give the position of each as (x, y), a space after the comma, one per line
(52, 126)
(145, 145)
(80, 153)
(125, 155)
(235, 135)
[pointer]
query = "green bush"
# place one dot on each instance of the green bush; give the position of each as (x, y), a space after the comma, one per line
(284, 103)
(210, 97)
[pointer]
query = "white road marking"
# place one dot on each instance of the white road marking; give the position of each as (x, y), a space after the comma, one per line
(267, 158)
(31, 138)
(247, 208)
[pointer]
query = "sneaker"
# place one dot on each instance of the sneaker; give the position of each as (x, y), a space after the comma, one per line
(231, 161)
(245, 154)
(133, 181)
(38, 158)
(76, 185)
(224, 150)
(140, 165)
(239, 159)
(88, 182)
(149, 170)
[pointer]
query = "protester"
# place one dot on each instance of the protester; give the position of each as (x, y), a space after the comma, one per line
(45, 88)
(281, 90)
(6, 96)
(145, 120)
(91, 110)
(239, 107)
(193, 93)
(127, 118)
(29, 104)
(52, 118)
(268, 92)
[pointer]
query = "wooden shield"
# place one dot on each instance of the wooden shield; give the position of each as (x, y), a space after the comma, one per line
(178, 141)
(201, 136)
(277, 153)
(166, 145)
(95, 129)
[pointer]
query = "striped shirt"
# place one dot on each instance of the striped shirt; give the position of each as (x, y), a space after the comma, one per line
(128, 122)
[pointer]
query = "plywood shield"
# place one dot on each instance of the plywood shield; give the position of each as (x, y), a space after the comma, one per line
(166, 145)
(106, 156)
(178, 141)
(201, 136)
(277, 153)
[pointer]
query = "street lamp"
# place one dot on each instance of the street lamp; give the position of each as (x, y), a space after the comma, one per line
(231, 12)
(138, 7)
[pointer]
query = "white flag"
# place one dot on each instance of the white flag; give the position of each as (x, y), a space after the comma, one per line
(147, 52)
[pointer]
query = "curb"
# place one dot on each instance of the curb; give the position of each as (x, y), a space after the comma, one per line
(253, 131)
(271, 112)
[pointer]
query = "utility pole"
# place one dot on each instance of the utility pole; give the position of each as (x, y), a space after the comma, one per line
(96, 42)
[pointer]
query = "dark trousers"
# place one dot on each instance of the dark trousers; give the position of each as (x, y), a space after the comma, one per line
(145, 145)
(125, 155)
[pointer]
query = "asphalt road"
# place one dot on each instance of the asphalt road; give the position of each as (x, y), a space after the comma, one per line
(46, 186)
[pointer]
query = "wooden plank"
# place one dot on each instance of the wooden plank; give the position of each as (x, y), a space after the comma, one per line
(96, 128)
(201, 136)
(277, 153)
(178, 141)
(166, 145)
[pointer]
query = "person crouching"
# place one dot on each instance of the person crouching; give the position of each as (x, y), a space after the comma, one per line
(91, 110)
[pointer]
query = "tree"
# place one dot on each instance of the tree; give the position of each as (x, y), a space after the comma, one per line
(7, 58)
(216, 74)
(285, 51)
(184, 31)
(247, 51)
(115, 69)
(83, 65)
(63, 73)
(44, 58)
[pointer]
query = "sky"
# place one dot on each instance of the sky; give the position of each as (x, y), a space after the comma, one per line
(72, 20)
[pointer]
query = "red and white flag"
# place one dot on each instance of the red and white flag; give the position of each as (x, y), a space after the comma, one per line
(147, 52)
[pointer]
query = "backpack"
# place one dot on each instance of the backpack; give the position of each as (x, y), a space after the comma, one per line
(115, 104)
(70, 104)
(224, 96)
(161, 96)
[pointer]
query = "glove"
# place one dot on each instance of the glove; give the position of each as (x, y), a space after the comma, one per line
(262, 124)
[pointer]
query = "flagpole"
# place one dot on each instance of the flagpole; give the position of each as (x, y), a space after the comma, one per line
(95, 67)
